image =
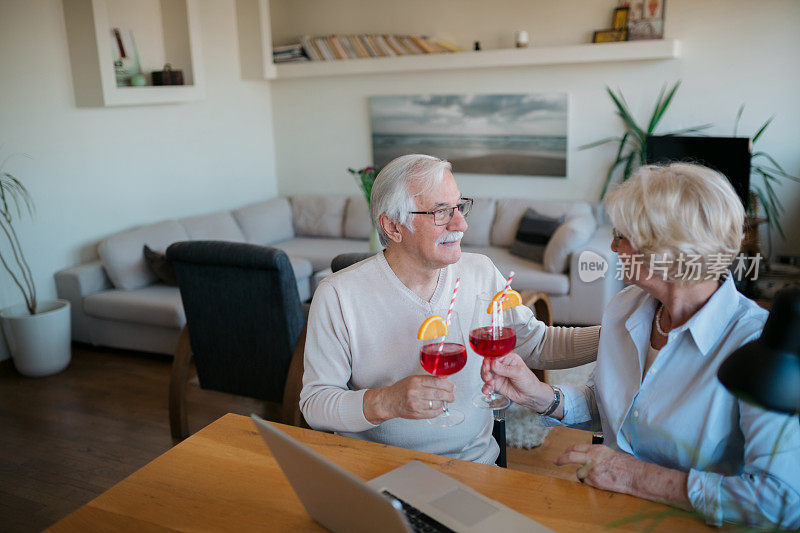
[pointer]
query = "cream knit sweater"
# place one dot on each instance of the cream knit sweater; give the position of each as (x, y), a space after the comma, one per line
(362, 335)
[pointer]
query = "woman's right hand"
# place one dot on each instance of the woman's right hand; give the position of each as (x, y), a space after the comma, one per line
(511, 377)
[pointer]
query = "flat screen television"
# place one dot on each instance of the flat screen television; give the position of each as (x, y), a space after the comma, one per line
(728, 155)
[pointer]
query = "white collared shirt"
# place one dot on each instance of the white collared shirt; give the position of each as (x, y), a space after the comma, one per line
(679, 415)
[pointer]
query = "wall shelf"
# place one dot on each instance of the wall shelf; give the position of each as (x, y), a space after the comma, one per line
(89, 25)
(512, 57)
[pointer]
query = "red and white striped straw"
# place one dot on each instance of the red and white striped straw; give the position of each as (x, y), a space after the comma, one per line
(452, 301)
(508, 285)
(450, 310)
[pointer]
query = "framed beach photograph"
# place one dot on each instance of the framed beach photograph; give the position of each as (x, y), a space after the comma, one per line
(505, 134)
(610, 36)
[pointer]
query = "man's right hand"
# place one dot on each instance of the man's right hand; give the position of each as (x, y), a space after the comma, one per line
(414, 397)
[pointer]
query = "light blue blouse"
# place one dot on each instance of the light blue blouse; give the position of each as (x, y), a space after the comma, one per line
(743, 461)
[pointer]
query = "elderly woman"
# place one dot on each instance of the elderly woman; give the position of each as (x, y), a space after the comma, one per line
(673, 433)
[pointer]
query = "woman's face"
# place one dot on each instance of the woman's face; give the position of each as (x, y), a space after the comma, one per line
(634, 267)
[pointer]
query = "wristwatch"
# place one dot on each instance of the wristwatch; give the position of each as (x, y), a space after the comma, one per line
(555, 403)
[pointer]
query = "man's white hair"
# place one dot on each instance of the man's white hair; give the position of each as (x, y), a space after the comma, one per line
(678, 209)
(398, 183)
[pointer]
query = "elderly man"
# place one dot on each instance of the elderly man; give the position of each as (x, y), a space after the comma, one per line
(362, 374)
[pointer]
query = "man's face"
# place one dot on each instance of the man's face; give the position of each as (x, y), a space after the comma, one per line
(436, 246)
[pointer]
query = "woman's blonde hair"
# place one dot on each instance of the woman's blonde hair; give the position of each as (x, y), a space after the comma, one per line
(676, 212)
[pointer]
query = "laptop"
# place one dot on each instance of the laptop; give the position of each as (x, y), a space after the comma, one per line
(413, 497)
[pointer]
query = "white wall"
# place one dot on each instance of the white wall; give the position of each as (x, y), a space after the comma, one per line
(95, 171)
(734, 52)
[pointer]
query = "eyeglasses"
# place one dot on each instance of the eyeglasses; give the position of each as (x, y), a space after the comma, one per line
(442, 217)
(617, 235)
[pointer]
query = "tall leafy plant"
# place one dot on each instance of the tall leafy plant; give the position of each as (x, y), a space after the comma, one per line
(632, 144)
(771, 173)
(365, 177)
(14, 201)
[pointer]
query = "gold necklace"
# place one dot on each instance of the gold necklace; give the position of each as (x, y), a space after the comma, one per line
(658, 322)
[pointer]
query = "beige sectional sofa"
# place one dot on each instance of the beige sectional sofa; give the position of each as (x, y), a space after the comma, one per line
(117, 301)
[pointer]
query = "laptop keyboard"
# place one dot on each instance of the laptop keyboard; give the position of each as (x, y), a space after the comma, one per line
(419, 521)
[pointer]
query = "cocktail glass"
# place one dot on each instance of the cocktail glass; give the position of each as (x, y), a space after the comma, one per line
(444, 356)
(491, 334)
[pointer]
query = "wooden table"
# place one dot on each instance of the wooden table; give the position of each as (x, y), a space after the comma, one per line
(224, 478)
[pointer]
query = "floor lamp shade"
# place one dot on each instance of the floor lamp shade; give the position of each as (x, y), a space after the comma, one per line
(766, 372)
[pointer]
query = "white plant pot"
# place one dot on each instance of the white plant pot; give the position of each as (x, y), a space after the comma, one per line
(375, 241)
(40, 343)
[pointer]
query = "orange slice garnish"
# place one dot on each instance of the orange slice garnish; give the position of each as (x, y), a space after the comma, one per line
(512, 299)
(433, 328)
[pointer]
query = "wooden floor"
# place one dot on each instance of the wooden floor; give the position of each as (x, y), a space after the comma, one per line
(64, 439)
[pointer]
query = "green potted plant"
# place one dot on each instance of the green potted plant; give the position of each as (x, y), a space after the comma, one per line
(37, 332)
(771, 173)
(631, 146)
(365, 177)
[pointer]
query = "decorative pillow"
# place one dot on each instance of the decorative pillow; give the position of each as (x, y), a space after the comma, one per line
(266, 223)
(357, 222)
(161, 266)
(122, 253)
(316, 215)
(480, 223)
(509, 211)
(533, 234)
(219, 226)
(568, 238)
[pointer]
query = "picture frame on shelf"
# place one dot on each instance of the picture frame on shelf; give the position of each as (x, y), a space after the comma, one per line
(620, 21)
(649, 23)
(610, 36)
(125, 55)
(635, 9)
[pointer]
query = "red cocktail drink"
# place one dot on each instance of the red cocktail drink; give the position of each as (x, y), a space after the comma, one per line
(492, 334)
(490, 341)
(449, 360)
(442, 355)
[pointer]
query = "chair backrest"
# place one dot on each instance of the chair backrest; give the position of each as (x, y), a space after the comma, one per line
(243, 313)
(345, 260)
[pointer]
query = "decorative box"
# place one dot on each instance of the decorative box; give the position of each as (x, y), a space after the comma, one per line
(167, 76)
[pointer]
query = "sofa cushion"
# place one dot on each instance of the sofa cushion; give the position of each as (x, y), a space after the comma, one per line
(161, 266)
(509, 212)
(568, 238)
(533, 234)
(267, 222)
(357, 222)
(527, 274)
(321, 251)
(214, 227)
(122, 255)
(480, 223)
(156, 305)
(317, 215)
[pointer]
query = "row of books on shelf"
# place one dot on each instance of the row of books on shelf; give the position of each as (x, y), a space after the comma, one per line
(334, 47)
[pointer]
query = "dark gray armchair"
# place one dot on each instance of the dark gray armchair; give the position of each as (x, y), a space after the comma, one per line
(243, 321)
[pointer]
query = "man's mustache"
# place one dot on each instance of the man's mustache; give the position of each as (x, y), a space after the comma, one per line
(450, 236)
